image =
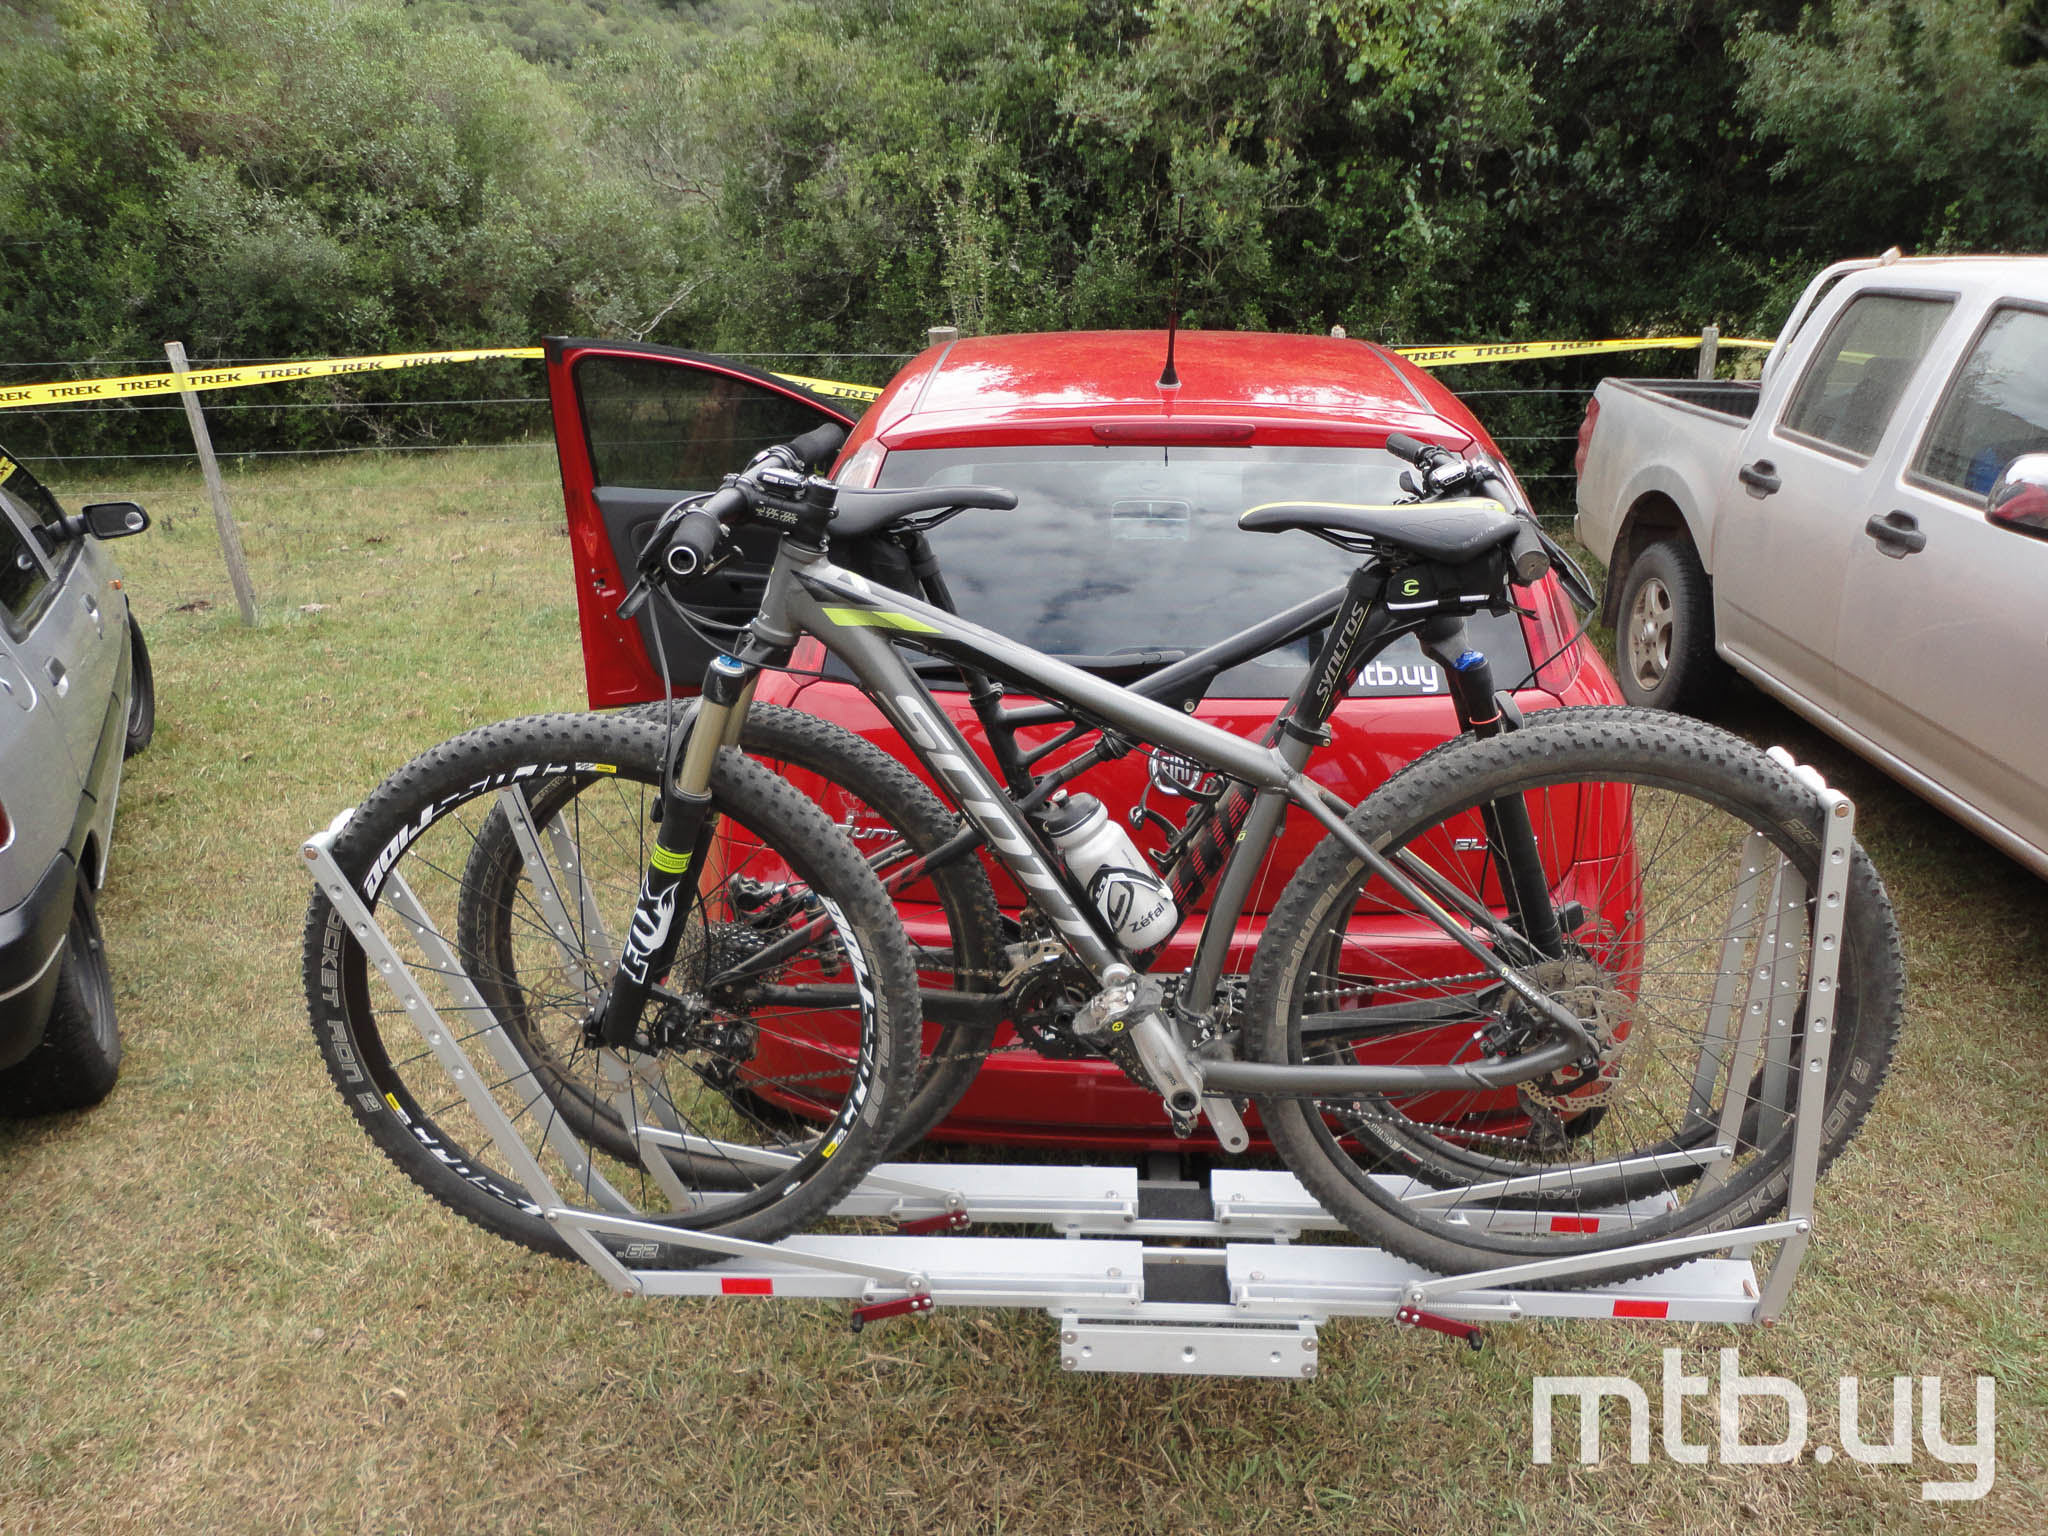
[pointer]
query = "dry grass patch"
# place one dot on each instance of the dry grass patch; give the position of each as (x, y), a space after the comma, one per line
(225, 1312)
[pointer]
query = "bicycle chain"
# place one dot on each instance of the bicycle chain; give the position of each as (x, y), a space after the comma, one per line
(1021, 1044)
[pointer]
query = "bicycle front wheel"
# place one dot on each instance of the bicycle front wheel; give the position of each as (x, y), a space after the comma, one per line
(505, 1105)
(949, 913)
(1681, 863)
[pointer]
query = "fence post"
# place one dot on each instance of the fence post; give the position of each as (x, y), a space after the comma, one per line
(1710, 347)
(223, 518)
(939, 335)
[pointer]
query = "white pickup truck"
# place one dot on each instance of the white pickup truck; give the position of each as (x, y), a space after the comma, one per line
(1863, 532)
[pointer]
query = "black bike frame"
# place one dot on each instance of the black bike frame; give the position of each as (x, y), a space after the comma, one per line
(860, 624)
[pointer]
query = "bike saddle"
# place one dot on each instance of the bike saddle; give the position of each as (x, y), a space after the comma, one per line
(856, 514)
(1451, 532)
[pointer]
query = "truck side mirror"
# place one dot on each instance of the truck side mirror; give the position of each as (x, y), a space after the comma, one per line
(2018, 499)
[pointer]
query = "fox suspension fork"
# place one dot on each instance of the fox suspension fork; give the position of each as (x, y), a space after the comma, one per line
(663, 910)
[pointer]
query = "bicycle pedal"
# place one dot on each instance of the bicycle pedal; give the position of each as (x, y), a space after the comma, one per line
(875, 1312)
(1415, 1318)
(945, 1221)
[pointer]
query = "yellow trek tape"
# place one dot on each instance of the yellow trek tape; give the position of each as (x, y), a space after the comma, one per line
(237, 378)
(333, 367)
(1527, 351)
(836, 387)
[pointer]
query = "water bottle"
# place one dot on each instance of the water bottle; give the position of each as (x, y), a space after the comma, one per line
(1133, 900)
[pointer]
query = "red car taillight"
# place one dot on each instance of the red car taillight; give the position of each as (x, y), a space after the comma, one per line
(1585, 437)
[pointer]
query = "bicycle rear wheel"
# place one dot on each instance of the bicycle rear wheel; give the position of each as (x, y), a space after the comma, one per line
(1680, 860)
(691, 1133)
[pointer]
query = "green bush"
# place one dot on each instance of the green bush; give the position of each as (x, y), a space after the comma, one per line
(299, 177)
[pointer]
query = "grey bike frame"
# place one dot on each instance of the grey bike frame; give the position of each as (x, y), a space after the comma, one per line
(859, 622)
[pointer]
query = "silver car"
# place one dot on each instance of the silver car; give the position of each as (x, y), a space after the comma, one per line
(76, 698)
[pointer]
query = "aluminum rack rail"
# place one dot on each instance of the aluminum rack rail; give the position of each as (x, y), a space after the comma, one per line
(1127, 1291)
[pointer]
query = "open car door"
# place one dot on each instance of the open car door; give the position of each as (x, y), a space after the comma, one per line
(637, 428)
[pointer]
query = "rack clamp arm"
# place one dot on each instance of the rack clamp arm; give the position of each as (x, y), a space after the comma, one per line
(1415, 1317)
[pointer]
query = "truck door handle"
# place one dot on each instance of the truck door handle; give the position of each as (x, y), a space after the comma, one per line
(1761, 477)
(59, 678)
(1897, 533)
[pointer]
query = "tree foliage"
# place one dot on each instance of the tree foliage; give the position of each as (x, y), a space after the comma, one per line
(296, 177)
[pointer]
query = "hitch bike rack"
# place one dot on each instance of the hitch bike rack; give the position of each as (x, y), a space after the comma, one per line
(1119, 1279)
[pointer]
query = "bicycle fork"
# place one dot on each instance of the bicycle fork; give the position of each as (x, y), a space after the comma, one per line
(668, 886)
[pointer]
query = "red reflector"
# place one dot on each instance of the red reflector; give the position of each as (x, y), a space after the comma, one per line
(1642, 1309)
(737, 1286)
(1163, 432)
(1575, 1223)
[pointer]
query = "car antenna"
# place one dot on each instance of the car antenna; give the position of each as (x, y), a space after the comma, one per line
(1168, 378)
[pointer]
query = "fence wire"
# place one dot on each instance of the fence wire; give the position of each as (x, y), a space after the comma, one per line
(1535, 424)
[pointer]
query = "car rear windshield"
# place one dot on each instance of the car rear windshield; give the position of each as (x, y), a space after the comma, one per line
(1125, 548)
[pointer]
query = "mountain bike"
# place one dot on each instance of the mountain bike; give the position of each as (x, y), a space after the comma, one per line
(1516, 970)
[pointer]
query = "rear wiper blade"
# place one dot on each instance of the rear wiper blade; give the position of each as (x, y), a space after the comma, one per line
(1122, 663)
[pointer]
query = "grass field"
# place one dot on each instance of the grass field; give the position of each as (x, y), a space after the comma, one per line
(223, 1311)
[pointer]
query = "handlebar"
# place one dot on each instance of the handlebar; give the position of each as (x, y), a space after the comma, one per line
(1527, 556)
(1531, 554)
(1412, 449)
(817, 447)
(686, 540)
(694, 542)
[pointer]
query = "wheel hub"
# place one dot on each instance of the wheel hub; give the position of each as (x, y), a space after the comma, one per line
(1649, 633)
(1583, 987)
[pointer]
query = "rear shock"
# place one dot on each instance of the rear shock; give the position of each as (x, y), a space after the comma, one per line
(1483, 712)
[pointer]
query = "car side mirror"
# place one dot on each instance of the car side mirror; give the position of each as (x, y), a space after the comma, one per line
(2019, 497)
(114, 519)
(103, 520)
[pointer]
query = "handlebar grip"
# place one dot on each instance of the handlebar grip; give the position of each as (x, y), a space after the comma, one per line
(818, 446)
(1527, 556)
(1402, 446)
(692, 545)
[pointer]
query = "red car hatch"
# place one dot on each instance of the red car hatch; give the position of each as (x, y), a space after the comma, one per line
(1122, 554)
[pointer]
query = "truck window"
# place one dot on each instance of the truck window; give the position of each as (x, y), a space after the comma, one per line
(1861, 369)
(1996, 408)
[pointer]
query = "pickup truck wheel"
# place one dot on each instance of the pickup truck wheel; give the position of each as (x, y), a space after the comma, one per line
(1664, 640)
(80, 1054)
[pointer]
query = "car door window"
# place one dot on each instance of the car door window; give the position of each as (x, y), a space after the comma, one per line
(1861, 369)
(24, 574)
(651, 423)
(1996, 408)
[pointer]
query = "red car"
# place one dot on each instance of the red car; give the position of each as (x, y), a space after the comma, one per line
(1122, 554)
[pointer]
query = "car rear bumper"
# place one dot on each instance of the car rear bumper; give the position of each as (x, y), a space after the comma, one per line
(31, 942)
